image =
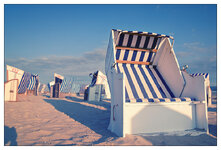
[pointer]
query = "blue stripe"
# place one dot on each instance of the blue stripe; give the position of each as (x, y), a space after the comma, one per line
(146, 42)
(126, 55)
(142, 56)
(131, 84)
(150, 100)
(206, 75)
(118, 70)
(134, 55)
(162, 100)
(156, 82)
(149, 57)
(126, 94)
(182, 99)
(172, 100)
(138, 42)
(127, 100)
(118, 54)
(163, 81)
(129, 40)
(154, 43)
(147, 81)
(139, 100)
(139, 81)
(121, 40)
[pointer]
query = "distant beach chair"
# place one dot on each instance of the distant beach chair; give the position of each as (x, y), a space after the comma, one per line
(17, 82)
(98, 89)
(33, 85)
(149, 92)
(42, 88)
(207, 83)
(57, 85)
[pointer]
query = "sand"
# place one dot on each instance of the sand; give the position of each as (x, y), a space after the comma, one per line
(39, 120)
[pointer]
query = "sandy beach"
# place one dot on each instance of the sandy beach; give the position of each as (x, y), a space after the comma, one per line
(39, 120)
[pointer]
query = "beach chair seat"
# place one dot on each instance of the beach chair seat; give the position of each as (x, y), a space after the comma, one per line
(148, 88)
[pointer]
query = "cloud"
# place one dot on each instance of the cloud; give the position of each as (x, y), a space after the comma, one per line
(196, 46)
(200, 57)
(65, 65)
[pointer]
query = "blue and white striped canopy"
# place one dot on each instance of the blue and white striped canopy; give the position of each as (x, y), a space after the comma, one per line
(25, 80)
(135, 53)
(66, 85)
(144, 33)
(32, 82)
(206, 75)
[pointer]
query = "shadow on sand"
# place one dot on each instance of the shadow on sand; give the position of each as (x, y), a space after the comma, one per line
(213, 129)
(10, 136)
(95, 118)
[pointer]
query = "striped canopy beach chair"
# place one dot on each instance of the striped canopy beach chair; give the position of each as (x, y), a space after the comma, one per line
(17, 82)
(98, 89)
(33, 84)
(208, 88)
(148, 89)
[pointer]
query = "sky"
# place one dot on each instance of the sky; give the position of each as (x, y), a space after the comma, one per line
(72, 39)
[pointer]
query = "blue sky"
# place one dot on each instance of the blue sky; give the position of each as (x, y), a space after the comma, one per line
(72, 39)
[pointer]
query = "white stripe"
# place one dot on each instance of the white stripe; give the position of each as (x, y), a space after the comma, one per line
(177, 99)
(147, 89)
(143, 38)
(150, 42)
(161, 84)
(158, 43)
(130, 54)
(134, 80)
(152, 58)
(134, 40)
(167, 99)
(145, 56)
(127, 85)
(121, 57)
(138, 56)
(152, 82)
(125, 41)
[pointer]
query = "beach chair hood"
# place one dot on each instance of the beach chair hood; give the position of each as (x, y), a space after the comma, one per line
(145, 48)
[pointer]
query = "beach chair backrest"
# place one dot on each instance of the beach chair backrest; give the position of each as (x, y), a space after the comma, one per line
(23, 85)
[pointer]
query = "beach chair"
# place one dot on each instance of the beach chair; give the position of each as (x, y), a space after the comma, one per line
(149, 92)
(208, 88)
(99, 88)
(33, 85)
(57, 84)
(17, 82)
